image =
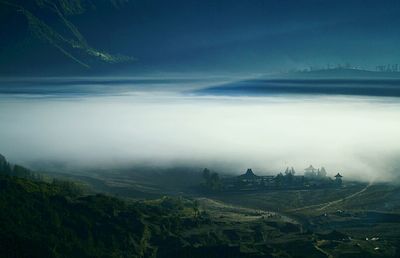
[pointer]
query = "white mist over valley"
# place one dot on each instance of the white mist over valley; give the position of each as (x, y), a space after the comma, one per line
(356, 136)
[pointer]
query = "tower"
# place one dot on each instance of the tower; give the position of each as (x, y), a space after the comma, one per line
(338, 179)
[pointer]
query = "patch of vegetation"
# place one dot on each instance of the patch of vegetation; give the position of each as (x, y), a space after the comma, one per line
(41, 217)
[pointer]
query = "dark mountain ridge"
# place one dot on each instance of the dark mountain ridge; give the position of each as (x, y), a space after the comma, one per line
(320, 82)
(75, 37)
(41, 36)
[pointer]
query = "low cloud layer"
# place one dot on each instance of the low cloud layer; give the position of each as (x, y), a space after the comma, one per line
(355, 136)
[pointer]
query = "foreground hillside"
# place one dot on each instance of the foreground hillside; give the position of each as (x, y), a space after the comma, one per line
(43, 217)
(57, 219)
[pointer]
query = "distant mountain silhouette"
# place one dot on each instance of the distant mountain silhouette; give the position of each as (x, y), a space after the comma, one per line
(322, 82)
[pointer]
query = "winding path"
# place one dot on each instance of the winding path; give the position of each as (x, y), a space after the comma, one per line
(327, 204)
(345, 198)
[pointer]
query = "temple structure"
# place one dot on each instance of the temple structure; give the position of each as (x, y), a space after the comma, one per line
(312, 178)
(310, 171)
(338, 179)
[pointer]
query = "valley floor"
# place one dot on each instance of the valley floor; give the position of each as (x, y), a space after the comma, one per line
(166, 216)
(336, 222)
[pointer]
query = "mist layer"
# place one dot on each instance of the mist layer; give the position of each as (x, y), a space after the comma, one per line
(356, 136)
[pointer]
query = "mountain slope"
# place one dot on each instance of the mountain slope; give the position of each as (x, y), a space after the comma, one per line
(40, 36)
(224, 36)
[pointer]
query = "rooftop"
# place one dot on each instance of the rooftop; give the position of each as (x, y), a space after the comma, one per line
(249, 174)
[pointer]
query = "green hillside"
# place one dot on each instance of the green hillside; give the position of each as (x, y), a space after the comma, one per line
(45, 217)
(52, 218)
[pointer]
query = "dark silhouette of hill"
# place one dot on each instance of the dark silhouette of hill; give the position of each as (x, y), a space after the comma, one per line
(321, 82)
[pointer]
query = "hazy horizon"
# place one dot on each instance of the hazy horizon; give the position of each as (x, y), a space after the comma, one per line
(356, 136)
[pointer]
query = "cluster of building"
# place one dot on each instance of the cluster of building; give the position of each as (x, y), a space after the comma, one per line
(392, 68)
(388, 68)
(312, 178)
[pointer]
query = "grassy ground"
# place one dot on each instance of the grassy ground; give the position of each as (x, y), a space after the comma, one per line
(358, 212)
(319, 222)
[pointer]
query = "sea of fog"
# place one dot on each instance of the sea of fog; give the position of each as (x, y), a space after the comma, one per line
(161, 123)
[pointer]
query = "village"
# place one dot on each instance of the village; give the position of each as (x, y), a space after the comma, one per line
(311, 179)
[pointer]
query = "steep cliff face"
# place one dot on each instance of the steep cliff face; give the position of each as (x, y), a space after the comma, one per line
(42, 35)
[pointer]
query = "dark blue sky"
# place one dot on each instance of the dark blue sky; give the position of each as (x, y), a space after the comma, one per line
(259, 35)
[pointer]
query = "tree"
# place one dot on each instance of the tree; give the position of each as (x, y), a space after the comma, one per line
(21, 171)
(289, 178)
(211, 179)
(5, 168)
(279, 179)
(196, 208)
(206, 174)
